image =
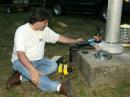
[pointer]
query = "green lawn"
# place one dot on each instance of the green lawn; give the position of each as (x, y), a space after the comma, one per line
(70, 25)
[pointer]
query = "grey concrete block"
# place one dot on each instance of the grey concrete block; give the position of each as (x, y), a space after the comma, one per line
(97, 72)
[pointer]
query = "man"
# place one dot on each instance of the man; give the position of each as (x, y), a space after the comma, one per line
(28, 51)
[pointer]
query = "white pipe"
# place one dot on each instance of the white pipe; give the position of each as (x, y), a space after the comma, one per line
(112, 37)
(113, 21)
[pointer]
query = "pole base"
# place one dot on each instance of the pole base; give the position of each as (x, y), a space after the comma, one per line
(113, 48)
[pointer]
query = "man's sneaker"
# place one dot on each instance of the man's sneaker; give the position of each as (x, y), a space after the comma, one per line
(13, 80)
(66, 89)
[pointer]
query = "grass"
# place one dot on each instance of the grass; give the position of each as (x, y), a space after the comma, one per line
(75, 26)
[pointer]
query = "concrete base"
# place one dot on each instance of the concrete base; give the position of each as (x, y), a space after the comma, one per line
(97, 72)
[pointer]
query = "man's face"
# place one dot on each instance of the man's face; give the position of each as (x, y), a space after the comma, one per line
(42, 25)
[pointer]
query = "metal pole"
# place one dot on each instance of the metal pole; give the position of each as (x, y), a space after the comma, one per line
(113, 21)
(113, 27)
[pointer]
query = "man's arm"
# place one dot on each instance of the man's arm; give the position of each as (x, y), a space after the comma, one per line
(25, 61)
(64, 39)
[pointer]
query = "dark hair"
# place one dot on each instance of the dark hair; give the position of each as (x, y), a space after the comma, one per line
(40, 14)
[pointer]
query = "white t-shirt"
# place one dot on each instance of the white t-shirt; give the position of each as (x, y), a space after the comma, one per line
(32, 42)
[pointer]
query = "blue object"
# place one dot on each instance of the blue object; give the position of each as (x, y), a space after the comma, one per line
(91, 42)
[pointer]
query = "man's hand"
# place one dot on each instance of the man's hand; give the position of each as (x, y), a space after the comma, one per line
(79, 40)
(35, 76)
(33, 72)
(98, 38)
(97, 47)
